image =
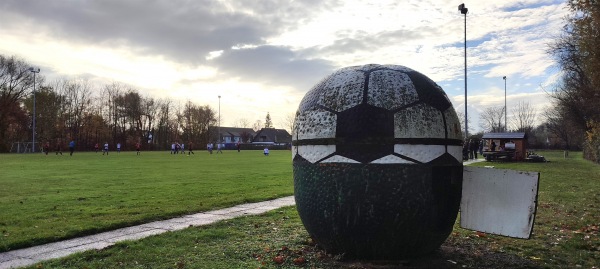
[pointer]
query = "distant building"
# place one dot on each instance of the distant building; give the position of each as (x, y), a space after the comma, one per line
(234, 134)
(247, 135)
(513, 145)
(272, 135)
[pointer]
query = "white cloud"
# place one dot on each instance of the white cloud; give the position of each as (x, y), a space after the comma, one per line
(263, 57)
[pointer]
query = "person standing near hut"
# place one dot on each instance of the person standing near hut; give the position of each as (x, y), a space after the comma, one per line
(474, 147)
(481, 147)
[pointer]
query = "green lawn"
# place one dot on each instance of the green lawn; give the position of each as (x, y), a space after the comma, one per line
(567, 223)
(49, 198)
(566, 232)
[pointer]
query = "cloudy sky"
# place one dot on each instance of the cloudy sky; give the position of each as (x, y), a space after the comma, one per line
(263, 56)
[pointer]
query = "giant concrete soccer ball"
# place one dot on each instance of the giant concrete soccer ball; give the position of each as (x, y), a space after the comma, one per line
(377, 162)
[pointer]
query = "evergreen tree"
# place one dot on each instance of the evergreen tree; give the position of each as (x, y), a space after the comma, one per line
(268, 122)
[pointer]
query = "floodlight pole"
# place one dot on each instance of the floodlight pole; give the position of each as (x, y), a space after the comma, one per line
(464, 10)
(505, 126)
(34, 71)
(219, 129)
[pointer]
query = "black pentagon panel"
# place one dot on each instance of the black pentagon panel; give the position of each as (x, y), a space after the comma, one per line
(429, 92)
(391, 89)
(365, 133)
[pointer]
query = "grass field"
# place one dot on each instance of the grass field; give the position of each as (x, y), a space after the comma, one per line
(566, 232)
(49, 198)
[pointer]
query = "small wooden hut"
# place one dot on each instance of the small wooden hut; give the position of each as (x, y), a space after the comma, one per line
(508, 146)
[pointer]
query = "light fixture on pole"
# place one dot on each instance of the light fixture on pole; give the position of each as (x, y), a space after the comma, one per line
(34, 71)
(464, 10)
(219, 130)
(505, 126)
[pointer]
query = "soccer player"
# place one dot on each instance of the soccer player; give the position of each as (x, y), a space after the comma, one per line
(71, 147)
(46, 147)
(105, 149)
(58, 147)
(190, 148)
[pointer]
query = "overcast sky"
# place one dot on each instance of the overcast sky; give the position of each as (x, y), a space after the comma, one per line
(263, 56)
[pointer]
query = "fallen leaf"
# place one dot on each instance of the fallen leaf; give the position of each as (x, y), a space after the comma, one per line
(299, 261)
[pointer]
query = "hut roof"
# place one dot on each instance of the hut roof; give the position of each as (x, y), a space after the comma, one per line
(504, 136)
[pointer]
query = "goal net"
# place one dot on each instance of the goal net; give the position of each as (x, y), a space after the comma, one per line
(24, 147)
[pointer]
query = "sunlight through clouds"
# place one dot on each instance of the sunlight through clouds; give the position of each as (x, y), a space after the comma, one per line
(263, 57)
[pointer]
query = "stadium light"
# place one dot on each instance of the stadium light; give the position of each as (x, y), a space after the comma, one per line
(219, 130)
(505, 126)
(464, 10)
(34, 71)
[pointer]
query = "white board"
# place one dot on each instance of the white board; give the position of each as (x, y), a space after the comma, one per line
(499, 201)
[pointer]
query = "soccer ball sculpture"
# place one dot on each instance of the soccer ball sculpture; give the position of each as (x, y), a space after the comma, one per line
(377, 163)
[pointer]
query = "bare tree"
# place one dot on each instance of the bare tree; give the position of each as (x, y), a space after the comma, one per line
(492, 119)
(523, 117)
(242, 123)
(165, 123)
(559, 124)
(48, 104)
(289, 122)
(16, 82)
(257, 125)
(149, 111)
(110, 112)
(76, 103)
(195, 122)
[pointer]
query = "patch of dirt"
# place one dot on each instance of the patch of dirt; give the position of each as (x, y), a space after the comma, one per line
(449, 255)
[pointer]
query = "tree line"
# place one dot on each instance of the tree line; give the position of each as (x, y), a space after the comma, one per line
(76, 110)
(575, 115)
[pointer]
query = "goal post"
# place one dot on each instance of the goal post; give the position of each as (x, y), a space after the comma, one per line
(24, 147)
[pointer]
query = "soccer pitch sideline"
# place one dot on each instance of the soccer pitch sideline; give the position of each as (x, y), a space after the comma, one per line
(46, 198)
